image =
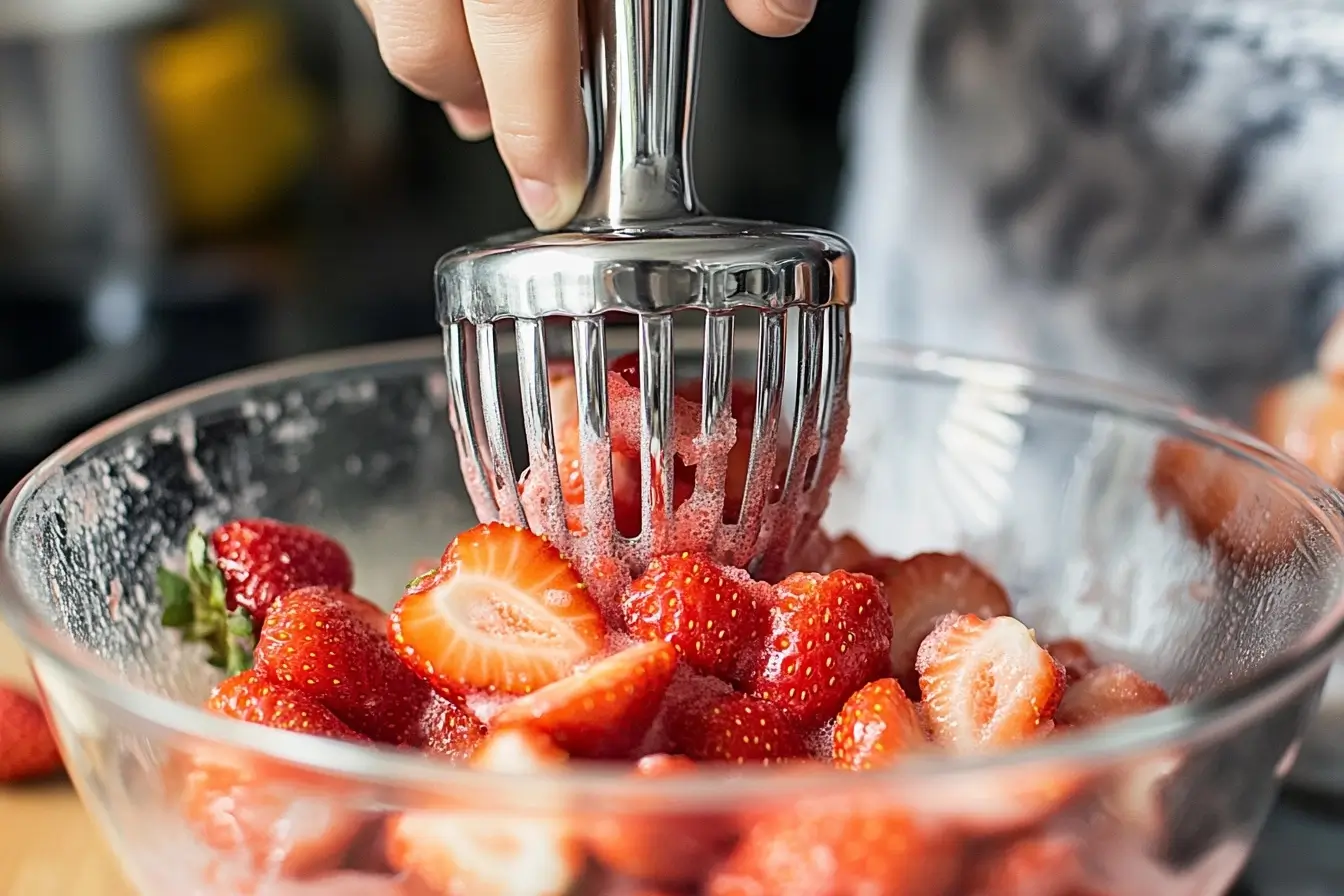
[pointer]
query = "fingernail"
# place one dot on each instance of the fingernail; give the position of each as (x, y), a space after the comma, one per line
(542, 203)
(472, 125)
(801, 10)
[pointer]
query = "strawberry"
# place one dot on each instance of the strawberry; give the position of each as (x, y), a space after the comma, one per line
(1302, 417)
(27, 746)
(265, 820)
(1073, 655)
(504, 611)
(250, 697)
(850, 554)
(262, 559)
(663, 846)
(735, 728)
(922, 590)
(826, 637)
(1108, 693)
(987, 683)
(604, 711)
(197, 605)
(317, 641)
(1045, 865)
(877, 726)
(341, 883)
(705, 611)
(837, 848)
(489, 853)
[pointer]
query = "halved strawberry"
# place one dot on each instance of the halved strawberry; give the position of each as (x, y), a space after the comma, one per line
(1045, 865)
(491, 853)
(737, 729)
(604, 711)
(839, 847)
(251, 697)
(504, 611)
(1109, 693)
(987, 683)
(877, 726)
(922, 590)
(704, 610)
(661, 845)
(1074, 656)
(826, 637)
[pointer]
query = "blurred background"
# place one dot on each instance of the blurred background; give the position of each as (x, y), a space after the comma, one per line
(192, 186)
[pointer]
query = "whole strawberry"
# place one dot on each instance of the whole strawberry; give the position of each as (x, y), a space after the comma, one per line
(251, 697)
(27, 747)
(262, 559)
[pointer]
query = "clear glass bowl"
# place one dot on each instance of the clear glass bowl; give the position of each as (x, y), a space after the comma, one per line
(1045, 479)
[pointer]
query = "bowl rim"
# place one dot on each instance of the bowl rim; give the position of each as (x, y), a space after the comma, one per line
(1176, 727)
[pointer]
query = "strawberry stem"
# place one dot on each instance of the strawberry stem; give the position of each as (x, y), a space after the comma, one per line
(195, 604)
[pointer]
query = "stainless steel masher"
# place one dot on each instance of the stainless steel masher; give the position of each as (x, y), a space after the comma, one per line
(642, 247)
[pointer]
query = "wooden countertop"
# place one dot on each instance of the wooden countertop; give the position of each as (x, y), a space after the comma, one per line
(49, 845)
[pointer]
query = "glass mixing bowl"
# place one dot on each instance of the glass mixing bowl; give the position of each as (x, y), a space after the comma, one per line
(1045, 479)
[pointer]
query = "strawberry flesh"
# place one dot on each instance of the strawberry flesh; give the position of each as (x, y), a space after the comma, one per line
(877, 726)
(604, 711)
(1108, 693)
(986, 683)
(702, 609)
(261, 559)
(735, 729)
(503, 612)
(826, 637)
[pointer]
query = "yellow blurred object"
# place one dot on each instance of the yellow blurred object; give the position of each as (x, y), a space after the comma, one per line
(233, 127)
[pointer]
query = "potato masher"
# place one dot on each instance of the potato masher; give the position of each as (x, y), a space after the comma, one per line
(642, 248)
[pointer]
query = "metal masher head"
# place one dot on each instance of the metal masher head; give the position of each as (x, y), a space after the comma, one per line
(643, 252)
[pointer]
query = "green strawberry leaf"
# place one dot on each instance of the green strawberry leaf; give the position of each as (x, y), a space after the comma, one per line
(196, 605)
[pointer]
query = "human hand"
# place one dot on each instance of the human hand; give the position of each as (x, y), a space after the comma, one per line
(511, 68)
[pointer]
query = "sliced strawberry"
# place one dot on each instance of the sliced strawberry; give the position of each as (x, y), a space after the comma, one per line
(661, 846)
(1046, 865)
(1304, 418)
(266, 820)
(604, 711)
(704, 610)
(850, 554)
(1074, 656)
(446, 728)
(834, 848)
(318, 641)
(504, 611)
(922, 590)
(489, 853)
(987, 683)
(877, 726)
(737, 729)
(1109, 693)
(27, 746)
(251, 697)
(827, 636)
(262, 559)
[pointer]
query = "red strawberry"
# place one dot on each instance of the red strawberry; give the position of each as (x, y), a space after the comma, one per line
(1074, 656)
(318, 641)
(250, 697)
(735, 728)
(826, 637)
(1109, 693)
(877, 726)
(834, 848)
(1046, 865)
(27, 746)
(850, 554)
(922, 590)
(504, 611)
(341, 883)
(705, 611)
(604, 711)
(987, 683)
(664, 846)
(262, 559)
(486, 853)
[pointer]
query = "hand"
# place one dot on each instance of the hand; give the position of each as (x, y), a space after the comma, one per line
(511, 68)
(1304, 417)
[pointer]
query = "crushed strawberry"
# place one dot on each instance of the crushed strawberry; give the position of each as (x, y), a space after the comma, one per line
(1108, 693)
(504, 611)
(877, 726)
(837, 847)
(986, 683)
(737, 729)
(262, 559)
(702, 609)
(826, 637)
(604, 711)
(922, 590)
(1074, 656)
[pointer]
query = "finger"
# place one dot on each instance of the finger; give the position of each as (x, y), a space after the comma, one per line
(469, 124)
(773, 18)
(528, 52)
(425, 45)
